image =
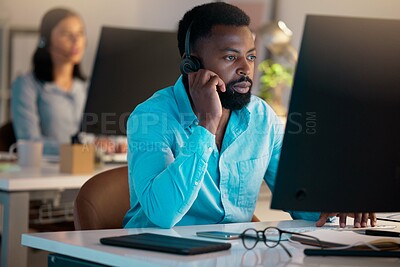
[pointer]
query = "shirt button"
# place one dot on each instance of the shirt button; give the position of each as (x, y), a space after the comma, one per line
(196, 183)
(196, 123)
(210, 149)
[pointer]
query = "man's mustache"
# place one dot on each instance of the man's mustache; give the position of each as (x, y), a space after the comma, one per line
(244, 79)
(241, 79)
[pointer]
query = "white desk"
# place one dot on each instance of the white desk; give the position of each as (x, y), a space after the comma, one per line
(84, 245)
(15, 188)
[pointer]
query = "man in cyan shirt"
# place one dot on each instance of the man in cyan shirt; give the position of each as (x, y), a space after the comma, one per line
(199, 150)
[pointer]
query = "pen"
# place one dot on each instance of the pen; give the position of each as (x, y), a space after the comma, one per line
(381, 233)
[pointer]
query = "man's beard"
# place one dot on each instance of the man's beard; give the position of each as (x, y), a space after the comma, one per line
(230, 99)
(233, 100)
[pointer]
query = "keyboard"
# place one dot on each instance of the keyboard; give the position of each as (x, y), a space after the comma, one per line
(336, 228)
(389, 216)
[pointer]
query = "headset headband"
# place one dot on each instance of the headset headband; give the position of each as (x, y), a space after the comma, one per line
(189, 64)
(187, 40)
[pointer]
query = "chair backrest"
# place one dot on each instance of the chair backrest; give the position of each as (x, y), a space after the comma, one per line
(103, 201)
(7, 136)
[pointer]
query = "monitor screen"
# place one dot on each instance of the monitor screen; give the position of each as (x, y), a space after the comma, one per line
(130, 66)
(341, 149)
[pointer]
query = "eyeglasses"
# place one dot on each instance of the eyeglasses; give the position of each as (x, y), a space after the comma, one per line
(271, 236)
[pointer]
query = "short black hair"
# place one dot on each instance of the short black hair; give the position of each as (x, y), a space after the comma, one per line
(41, 60)
(204, 17)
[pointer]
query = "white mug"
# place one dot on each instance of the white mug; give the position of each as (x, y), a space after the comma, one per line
(29, 152)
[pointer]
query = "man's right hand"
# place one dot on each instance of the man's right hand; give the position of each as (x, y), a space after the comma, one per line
(203, 86)
(360, 219)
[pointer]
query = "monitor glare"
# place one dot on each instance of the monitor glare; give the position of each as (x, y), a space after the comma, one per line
(341, 149)
(130, 66)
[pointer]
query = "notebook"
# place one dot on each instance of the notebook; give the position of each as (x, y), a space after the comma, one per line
(164, 243)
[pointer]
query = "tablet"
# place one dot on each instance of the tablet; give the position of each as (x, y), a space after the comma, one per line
(164, 243)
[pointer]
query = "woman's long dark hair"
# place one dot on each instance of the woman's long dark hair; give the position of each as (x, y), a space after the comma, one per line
(42, 62)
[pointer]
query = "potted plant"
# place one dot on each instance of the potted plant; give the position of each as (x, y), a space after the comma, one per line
(275, 84)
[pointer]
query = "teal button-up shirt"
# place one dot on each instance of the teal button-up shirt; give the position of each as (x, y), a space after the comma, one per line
(177, 175)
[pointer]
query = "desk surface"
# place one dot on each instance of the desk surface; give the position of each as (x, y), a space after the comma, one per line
(45, 178)
(17, 186)
(85, 245)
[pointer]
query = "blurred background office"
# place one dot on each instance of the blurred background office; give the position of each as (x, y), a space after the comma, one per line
(278, 25)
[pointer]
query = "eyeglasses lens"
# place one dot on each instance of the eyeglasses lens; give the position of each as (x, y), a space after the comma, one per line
(272, 236)
(250, 238)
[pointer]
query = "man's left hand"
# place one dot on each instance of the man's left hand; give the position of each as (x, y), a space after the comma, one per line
(360, 219)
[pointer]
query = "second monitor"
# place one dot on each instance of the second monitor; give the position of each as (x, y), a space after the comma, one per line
(130, 66)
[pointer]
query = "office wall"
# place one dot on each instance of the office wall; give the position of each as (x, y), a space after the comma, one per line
(164, 14)
(293, 12)
(149, 14)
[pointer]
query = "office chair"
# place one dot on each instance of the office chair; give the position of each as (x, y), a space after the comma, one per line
(103, 201)
(7, 136)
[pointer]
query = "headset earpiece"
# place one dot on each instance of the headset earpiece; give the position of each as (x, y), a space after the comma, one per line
(42, 42)
(189, 63)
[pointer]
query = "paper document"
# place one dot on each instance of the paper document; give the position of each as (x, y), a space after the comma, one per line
(345, 238)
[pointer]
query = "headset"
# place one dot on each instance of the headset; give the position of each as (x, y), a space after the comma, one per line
(189, 63)
(42, 42)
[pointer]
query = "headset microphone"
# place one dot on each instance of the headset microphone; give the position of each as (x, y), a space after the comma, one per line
(189, 63)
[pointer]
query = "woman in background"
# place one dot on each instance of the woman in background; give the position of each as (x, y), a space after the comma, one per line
(47, 104)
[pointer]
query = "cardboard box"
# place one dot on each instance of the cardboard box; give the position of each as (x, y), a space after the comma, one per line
(77, 158)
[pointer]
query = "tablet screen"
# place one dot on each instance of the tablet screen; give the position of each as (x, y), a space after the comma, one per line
(164, 243)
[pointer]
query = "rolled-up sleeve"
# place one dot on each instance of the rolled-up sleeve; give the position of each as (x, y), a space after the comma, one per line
(165, 176)
(24, 110)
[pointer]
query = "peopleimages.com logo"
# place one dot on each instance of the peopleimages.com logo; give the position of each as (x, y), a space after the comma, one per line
(302, 122)
(109, 123)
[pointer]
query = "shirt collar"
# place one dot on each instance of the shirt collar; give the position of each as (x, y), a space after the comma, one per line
(188, 117)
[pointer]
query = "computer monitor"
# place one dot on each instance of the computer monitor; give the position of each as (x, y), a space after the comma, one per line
(130, 66)
(341, 148)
